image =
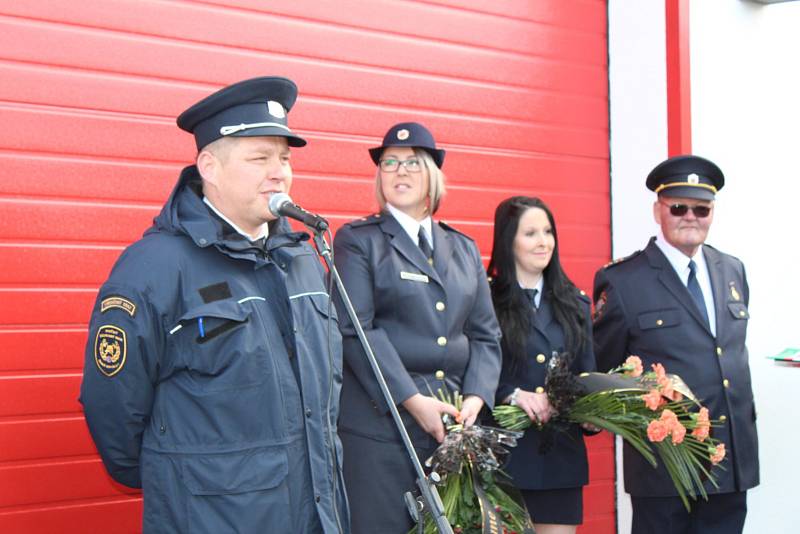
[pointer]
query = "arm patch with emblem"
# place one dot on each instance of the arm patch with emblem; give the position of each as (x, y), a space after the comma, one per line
(110, 349)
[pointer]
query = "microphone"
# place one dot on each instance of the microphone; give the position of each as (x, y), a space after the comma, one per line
(281, 204)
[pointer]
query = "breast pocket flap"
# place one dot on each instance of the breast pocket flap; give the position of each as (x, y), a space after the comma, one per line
(738, 310)
(659, 319)
(214, 318)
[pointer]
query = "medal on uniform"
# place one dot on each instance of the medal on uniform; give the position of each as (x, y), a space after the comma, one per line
(734, 293)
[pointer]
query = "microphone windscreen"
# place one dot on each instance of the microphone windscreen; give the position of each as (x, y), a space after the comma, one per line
(276, 201)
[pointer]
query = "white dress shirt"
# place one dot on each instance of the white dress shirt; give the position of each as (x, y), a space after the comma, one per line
(680, 262)
(411, 225)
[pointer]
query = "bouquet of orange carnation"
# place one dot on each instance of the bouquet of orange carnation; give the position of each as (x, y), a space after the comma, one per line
(644, 408)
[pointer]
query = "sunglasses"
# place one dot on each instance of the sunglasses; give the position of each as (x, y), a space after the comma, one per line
(679, 210)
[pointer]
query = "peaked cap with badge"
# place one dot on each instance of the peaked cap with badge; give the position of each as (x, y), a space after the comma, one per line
(686, 176)
(250, 108)
(409, 134)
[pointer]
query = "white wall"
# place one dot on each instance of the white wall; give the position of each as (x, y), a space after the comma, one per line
(745, 79)
(745, 69)
(638, 123)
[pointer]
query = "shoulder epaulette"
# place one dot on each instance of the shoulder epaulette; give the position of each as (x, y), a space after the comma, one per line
(583, 296)
(451, 229)
(621, 260)
(375, 218)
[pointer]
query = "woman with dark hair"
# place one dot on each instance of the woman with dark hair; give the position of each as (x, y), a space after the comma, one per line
(541, 314)
(422, 298)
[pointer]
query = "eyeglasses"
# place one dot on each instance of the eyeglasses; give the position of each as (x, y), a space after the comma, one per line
(392, 165)
(679, 210)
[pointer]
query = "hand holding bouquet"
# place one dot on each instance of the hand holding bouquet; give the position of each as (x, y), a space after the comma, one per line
(476, 500)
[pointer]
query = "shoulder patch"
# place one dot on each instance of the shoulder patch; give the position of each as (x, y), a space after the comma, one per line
(621, 260)
(451, 229)
(375, 218)
(117, 301)
(110, 349)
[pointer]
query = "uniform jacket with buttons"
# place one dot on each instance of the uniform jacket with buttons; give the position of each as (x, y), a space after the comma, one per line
(219, 408)
(419, 319)
(643, 308)
(564, 465)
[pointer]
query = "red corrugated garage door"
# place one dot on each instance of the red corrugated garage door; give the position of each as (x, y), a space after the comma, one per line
(515, 90)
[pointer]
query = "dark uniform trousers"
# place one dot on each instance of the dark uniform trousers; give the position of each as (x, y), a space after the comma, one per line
(643, 308)
(723, 513)
(419, 319)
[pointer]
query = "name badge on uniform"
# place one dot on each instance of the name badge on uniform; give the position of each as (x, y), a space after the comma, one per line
(414, 277)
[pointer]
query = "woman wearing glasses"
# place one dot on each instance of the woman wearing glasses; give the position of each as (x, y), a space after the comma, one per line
(422, 297)
(542, 314)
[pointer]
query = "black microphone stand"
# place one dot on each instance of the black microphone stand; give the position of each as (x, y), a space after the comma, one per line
(428, 501)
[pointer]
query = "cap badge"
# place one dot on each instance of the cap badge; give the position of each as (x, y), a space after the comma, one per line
(693, 179)
(276, 109)
(402, 134)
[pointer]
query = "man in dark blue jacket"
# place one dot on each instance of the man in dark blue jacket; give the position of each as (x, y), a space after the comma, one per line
(683, 304)
(212, 370)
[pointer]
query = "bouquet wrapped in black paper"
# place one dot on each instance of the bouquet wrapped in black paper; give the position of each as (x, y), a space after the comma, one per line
(477, 497)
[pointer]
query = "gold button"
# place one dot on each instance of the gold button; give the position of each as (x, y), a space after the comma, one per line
(742, 313)
(722, 418)
(440, 306)
(541, 358)
(659, 322)
(726, 383)
(442, 341)
(539, 389)
(719, 351)
(439, 375)
(430, 261)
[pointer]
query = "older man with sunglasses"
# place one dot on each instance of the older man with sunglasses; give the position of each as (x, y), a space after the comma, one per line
(683, 304)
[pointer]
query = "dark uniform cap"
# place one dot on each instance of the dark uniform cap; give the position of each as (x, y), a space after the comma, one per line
(687, 177)
(410, 134)
(249, 108)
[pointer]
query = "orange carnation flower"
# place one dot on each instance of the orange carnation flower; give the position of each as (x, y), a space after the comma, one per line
(718, 454)
(669, 418)
(703, 425)
(653, 399)
(633, 366)
(657, 431)
(660, 372)
(678, 432)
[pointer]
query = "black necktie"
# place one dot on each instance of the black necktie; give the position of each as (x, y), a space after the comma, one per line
(695, 291)
(531, 294)
(425, 246)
